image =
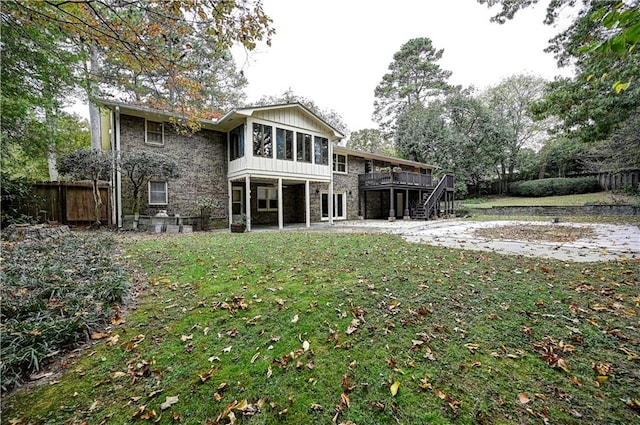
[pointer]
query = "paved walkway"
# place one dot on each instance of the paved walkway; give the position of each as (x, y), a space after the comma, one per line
(611, 241)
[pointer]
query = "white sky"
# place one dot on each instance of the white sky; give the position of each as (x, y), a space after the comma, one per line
(335, 52)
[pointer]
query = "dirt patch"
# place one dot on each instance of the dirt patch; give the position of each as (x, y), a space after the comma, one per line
(535, 232)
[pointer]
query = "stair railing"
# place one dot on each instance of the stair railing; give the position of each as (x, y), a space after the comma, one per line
(434, 197)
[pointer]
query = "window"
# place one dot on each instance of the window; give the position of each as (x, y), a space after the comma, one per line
(304, 147)
(339, 206)
(154, 133)
(339, 163)
(236, 143)
(158, 194)
(284, 144)
(368, 167)
(262, 140)
(267, 199)
(321, 145)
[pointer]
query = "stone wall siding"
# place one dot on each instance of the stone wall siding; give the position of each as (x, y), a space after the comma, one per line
(349, 183)
(202, 160)
(589, 210)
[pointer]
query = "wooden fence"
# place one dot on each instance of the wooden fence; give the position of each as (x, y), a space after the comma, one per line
(66, 203)
(618, 181)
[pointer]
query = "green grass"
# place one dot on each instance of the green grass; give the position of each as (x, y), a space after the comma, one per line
(606, 198)
(224, 318)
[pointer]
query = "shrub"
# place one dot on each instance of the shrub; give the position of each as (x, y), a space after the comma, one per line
(54, 294)
(554, 187)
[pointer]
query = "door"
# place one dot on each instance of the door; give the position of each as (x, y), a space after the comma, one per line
(399, 204)
(237, 203)
(339, 206)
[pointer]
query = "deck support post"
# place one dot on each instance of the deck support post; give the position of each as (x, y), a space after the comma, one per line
(406, 215)
(392, 210)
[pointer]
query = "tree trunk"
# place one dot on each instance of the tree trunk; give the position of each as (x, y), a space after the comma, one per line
(97, 202)
(91, 89)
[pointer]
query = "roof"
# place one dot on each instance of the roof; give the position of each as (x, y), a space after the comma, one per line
(248, 111)
(368, 155)
(228, 120)
(224, 121)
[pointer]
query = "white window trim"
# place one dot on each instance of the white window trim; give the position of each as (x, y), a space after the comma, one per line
(166, 193)
(346, 166)
(268, 189)
(146, 133)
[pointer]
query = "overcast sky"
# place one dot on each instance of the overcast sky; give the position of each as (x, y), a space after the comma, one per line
(335, 52)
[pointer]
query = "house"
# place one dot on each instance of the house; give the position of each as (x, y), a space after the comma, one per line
(273, 165)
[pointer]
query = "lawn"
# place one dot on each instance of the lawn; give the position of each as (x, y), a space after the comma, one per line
(605, 198)
(298, 328)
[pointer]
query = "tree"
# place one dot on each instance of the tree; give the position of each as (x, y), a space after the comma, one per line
(329, 115)
(36, 74)
(371, 140)
(140, 166)
(600, 43)
(458, 134)
(510, 104)
(88, 164)
(414, 77)
(152, 40)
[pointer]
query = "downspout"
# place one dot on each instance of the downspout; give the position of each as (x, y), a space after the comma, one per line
(330, 184)
(118, 172)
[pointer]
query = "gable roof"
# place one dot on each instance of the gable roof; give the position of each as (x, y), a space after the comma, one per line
(248, 111)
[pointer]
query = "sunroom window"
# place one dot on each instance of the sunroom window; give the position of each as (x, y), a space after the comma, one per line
(303, 147)
(321, 146)
(284, 144)
(262, 140)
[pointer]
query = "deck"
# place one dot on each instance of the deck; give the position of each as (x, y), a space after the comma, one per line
(401, 179)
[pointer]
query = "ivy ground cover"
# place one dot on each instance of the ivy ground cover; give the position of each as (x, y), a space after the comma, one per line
(355, 329)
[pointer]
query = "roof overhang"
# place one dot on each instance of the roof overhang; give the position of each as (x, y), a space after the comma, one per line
(150, 113)
(391, 159)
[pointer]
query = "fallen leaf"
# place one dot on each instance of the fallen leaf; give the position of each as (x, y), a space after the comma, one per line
(185, 338)
(523, 398)
(295, 319)
(99, 335)
(170, 401)
(472, 347)
(305, 345)
(394, 388)
(344, 398)
(255, 357)
(227, 349)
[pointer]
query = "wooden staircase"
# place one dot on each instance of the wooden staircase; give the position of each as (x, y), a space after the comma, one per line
(441, 194)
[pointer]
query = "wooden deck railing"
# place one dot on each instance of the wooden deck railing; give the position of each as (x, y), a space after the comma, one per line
(402, 178)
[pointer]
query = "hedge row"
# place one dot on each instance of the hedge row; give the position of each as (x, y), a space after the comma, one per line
(556, 186)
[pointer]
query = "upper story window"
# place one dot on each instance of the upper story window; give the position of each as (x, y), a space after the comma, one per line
(236, 143)
(321, 146)
(303, 151)
(339, 163)
(158, 193)
(262, 140)
(154, 133)
(284, 144)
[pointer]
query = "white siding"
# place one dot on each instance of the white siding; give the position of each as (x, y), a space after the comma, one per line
(289, 118)
(292, 117)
